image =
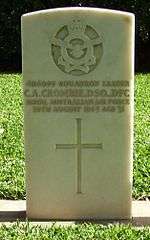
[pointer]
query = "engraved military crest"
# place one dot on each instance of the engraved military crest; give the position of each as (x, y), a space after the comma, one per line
(77, 48)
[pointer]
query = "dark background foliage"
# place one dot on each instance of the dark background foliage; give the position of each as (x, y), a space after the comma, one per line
(10, 36)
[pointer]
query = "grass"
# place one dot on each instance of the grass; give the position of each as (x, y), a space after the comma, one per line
(25, 231)
(12, 184)
(141, 183)
(12, 166)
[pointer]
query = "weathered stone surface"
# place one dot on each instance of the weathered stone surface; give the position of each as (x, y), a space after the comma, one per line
(78, 71)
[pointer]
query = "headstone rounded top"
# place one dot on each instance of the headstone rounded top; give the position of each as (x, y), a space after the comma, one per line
(79, 9)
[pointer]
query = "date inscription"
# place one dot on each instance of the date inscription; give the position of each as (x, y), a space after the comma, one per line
(77, 96)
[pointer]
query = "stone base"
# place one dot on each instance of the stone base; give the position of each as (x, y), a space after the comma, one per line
(11, 210)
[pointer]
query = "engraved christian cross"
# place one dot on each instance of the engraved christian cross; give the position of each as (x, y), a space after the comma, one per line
(79, 146)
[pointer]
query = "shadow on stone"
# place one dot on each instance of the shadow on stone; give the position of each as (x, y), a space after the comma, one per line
(6, 216)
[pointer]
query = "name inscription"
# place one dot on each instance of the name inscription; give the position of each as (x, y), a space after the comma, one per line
(77, 96)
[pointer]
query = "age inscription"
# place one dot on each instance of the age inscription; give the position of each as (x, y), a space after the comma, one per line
(77, 96)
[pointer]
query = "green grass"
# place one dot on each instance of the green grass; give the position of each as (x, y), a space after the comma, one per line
(141, 184)
(20, 231)
(12, 167)
(12, 184)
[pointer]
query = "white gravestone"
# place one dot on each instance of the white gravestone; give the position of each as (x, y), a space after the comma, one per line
(78, 73)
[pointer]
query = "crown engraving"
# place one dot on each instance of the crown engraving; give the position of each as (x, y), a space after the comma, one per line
(76, 27)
